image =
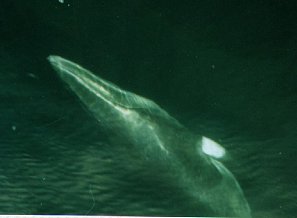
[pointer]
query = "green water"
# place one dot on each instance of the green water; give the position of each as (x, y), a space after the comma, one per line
(224, 69)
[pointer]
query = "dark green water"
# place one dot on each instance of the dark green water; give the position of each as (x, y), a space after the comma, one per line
(224, 69)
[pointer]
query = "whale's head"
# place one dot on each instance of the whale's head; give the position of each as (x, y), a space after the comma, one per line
(134, 118)
(105, 99)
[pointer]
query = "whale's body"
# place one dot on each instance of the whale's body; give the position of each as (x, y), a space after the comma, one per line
(152, 130)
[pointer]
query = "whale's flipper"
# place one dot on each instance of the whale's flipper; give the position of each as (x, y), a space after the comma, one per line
(153, 131)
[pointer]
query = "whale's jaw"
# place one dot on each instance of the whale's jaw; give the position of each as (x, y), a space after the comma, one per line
(149, 128)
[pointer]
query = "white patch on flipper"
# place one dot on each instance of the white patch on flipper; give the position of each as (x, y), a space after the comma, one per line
(212, 148)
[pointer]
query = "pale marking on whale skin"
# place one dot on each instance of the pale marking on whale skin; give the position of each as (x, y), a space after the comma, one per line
(212, 148)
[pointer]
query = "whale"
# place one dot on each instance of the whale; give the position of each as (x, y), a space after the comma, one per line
(156, 135)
